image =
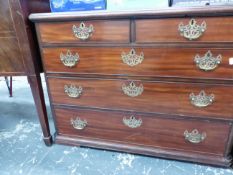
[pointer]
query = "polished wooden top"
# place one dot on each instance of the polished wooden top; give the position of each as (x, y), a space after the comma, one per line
(166, 12)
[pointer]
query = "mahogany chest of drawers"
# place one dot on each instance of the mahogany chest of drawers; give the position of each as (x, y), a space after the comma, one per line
(154, 83)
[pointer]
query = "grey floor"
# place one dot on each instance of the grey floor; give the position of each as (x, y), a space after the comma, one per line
(22, 150)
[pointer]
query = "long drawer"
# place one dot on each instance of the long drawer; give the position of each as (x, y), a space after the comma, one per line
(81, 32)
(213, 101)
(156, 62)
(144, 130)
(212, 29)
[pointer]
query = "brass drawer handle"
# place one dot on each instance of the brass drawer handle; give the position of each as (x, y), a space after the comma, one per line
(132, 122)
(201, 100)
(73, 91)
(207, 62)
(132, 90)
(132, 59)
(192, 31)
(78, 123)
(69, 60)
(82, 32)
(194, 137)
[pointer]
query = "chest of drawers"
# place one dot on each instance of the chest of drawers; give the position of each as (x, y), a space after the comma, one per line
(154, 83)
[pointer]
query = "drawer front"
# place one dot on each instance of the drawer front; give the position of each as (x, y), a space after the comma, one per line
(144, 130)
(91, 31)
(155, 62)
(144, 96)
(213, 29)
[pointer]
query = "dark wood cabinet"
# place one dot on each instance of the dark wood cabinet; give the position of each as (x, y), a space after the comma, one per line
(157, 83)
(19, 53)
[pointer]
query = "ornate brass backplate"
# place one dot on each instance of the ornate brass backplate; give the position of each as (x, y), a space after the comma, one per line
(73, 91)
(195, 136)
(82, 32)
(208, 61)
(132, 122)
(132, 59)
(132, 90)
(192, 30)
(78, 123)
(69, 60)
(201, 100)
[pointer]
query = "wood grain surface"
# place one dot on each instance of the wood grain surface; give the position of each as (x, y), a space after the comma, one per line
(219, 29)
(11, 60)
(158, 62)
(108, 125)
(157, 97)
(104, 31)
(6, 24)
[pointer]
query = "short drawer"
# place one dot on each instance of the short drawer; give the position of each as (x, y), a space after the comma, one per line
(145, 130)
(153, 62)
(212, 29)
(82, 32)
(213, 101)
